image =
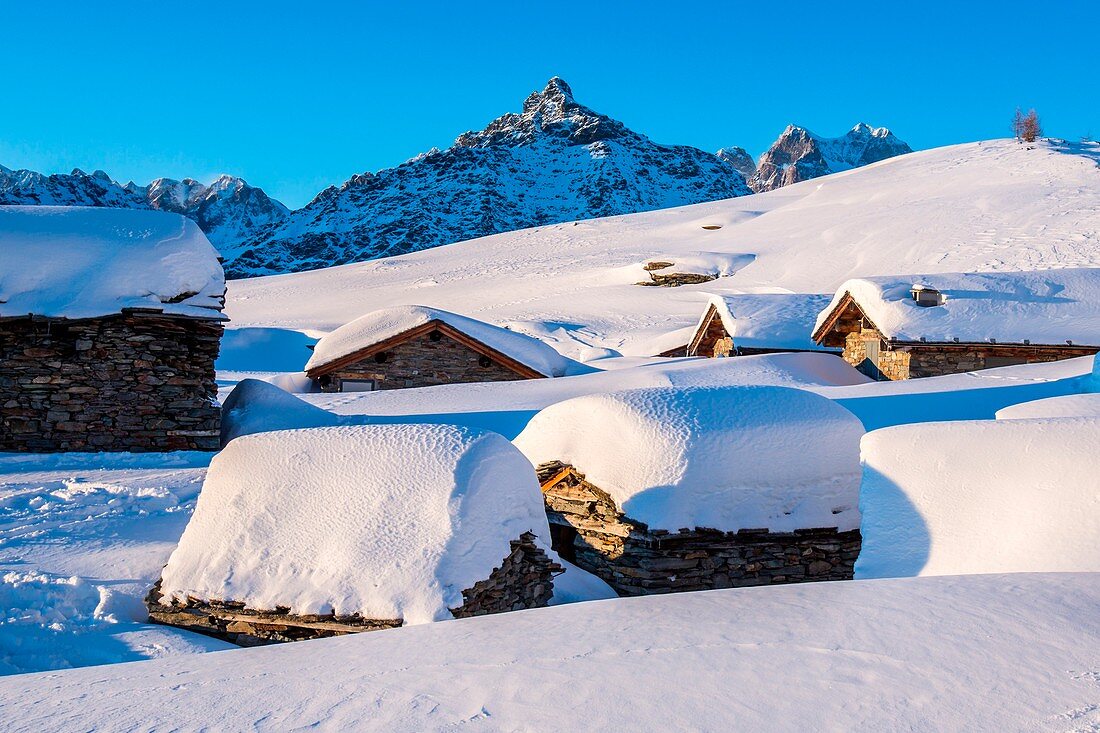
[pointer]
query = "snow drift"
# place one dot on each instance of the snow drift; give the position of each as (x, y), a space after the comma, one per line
(256, 406)
(76, 262)
(1072, 405)
(984, 496)
(725, 458)
(389, 521)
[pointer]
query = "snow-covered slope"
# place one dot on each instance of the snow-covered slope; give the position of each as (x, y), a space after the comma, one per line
(993, 205)
(555, 161)
(228, 210)
(799, 155)
(1003, 653)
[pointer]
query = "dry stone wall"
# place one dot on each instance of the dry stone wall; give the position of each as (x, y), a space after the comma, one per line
(120, 383)
(909, 361)
(591, 531)
(524, 580)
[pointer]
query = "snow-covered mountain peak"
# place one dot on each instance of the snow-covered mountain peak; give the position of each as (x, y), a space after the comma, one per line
(556, 160)
(553, 112)
(739, 158)
(553, 99)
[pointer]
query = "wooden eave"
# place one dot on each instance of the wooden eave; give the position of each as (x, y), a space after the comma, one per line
(846, 303)
(215, 315)
(701, 331)
(435, 324)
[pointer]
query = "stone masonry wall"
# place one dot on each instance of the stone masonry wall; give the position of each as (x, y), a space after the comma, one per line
(891, 364)
(422, 362)
(119, 383)
(945, 359)
(590, 531)
(525, 579)
(935, 359)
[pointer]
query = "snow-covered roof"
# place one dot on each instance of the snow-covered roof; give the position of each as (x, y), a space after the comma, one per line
(727, 458)
(390, 521)
(83, 262)
(981, 496)
(380, 325)
(1043, 307)
(768, 320)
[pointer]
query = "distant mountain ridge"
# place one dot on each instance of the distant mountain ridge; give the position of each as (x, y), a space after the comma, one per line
(228, 210)
(555, 161)
(799, 155)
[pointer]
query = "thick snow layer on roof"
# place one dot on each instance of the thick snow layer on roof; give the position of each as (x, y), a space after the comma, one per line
(769, 320)
(1001, 652)
(77, 262)
(380, 325)
(1044, 307)
(983, 496)
(727, 458)
(390, 521)
(1072, 405)
(255, 406)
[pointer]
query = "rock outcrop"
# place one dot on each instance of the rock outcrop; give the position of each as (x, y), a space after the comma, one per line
(799, 155)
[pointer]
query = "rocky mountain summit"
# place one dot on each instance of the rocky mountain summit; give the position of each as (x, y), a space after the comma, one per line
(740, 159)
(555, 161)
(799, 155)
(229, 210)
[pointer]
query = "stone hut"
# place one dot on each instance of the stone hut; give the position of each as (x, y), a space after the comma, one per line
(763, 323)
(907, 326)
(110, 322)
(663, 490)
(417, 346)
(390, 525)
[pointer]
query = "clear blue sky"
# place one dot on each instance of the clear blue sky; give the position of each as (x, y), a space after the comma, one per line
(297, 96)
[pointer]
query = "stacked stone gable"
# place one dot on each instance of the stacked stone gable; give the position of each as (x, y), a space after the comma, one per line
(422, 360)
(589, 530)
(127, 382)
(525, 579)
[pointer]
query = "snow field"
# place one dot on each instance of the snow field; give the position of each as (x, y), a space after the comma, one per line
(1012, 652)
(990, 496)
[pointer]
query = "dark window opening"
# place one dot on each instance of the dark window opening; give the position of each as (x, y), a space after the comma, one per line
(563, 538)
(382, 357)
(992, 362)
(484, 361)
(435, 336)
